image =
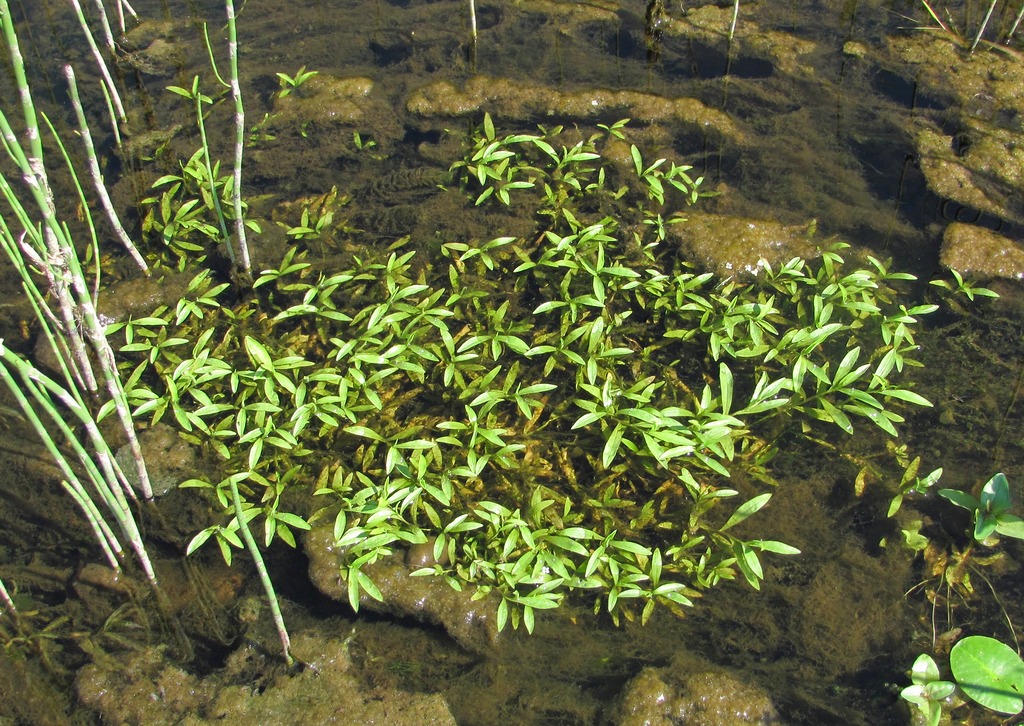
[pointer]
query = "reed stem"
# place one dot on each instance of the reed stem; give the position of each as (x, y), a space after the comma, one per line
(1016, 23)
(236, 95)
(97, 176)
(261, 568)
(101, 63)
(984, 25)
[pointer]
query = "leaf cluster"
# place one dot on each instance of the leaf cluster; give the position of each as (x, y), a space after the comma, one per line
(557, 414)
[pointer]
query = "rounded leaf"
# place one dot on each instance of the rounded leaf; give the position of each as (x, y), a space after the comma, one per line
(989, 672)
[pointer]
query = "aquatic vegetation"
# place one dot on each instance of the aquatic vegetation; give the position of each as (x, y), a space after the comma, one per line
(558, 414)
(986, 670)
(928, 691)
(66, 402)
(989, 672)
(967, 23)
(291, 83)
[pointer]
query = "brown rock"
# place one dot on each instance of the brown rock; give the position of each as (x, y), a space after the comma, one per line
(733, 246)
(981, 252)
(662, 697)
(472, 623)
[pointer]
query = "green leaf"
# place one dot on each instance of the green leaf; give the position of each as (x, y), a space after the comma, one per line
(839, 418)
(746, 509)
(638, 161)
(961, 499)
(588, 418)
(258, 353)
(1010, 525)
(924, 670)
(995, 495)
(989, 672)
(726, 382)
(770, 545)
(611, 447)
(363, 431)
(199, 540)
(908, 396)
(749, 564)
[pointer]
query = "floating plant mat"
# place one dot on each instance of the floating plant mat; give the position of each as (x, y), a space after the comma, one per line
(808, 115)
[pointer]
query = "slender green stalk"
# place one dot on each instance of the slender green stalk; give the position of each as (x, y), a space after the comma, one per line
(735, 17)
(108, 80)
(100, 346)
(49, 249)
(122, 6)
(7, 601)
(211, 179)
(51, 243)
(261, 568)
(984, 25)
(236, 95)
(1016, 23)
(935, 17)
(108, 34)
(105, 537)
(97, 175)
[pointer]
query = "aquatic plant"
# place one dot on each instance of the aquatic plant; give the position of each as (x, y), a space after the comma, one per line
(991, 673)
(556, 414)
(291, 83)
(65, 404)
(179, 206)
(927, 692)
(960, 30)
(985, 669)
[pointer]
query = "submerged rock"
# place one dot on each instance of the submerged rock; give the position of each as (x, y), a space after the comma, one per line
(153, 48)
(711, 23)
(471, 623)
(982, 168)
(327, 99)
(518, 100)
(663, 697)
(169, 459)
(732, 246)
(981, 252)
(972, 154)
(147, 688)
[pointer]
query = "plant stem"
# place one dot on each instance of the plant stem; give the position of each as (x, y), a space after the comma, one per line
(984, 24)
(735, 17)
(97, 175)
(236, 95)
(52, 241)
(1016, 23)
(7, 601)
(123, 5)
(108, 80)
(261, 568)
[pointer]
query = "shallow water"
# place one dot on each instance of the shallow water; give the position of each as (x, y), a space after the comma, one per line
(818, 133)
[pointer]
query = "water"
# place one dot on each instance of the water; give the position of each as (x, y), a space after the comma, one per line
(818, 132)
